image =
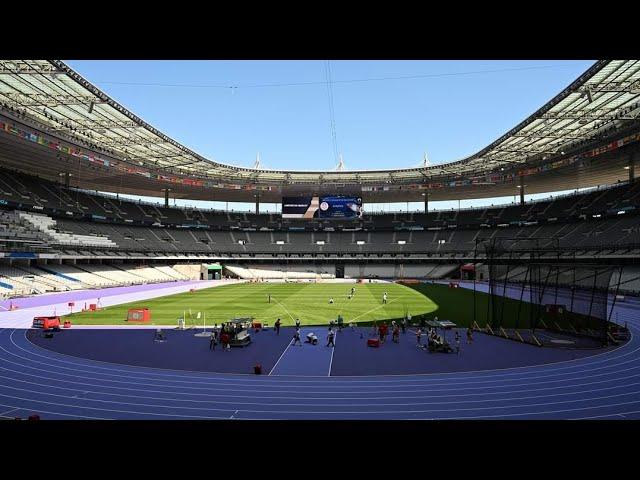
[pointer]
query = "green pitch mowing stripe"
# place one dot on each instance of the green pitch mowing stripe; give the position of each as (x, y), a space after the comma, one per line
(307, 301)
(456, 304)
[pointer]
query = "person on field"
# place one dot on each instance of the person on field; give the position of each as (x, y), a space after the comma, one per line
(330, 338)
(224, 340)
(213, 341)
(395, 334)
(469, 335)
(384, 297)
(419, 336)
(434, 334)
(403, 324)
(384, 329)
(159, 336)
(296, 337)
(277, 325)
(298, 323)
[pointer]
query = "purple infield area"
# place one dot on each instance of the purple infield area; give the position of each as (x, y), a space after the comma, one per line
(81, 295)
(57, 303)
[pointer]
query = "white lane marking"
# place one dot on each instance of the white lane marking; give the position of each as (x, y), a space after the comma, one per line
(285, 308)
(537, 413)
(374, 309)
(344, 396)
(9, 411)
(529, 375)
(333, 349)
(280, 358)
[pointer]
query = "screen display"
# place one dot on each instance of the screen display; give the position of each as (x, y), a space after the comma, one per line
(322, 207)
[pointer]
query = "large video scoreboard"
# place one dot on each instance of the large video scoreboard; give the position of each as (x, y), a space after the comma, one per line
(322, 207)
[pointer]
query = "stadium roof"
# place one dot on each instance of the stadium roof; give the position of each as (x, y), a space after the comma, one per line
(58, 101)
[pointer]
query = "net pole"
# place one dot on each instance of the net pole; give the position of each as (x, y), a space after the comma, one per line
(475, 274)
(524, 284)
(573, 285)
(504, 293)
(540, 299)
(615, 296)
(555, 300)
(490, 256)
(593, 292)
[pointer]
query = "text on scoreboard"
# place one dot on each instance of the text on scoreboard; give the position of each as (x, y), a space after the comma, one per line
(322, 207)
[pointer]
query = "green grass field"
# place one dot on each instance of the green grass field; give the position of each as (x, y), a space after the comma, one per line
(307, 301)
(310, 303)
(457, 305)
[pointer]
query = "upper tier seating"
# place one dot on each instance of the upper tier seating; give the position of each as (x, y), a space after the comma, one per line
(80, 223)
(72, 203)
(47, 225)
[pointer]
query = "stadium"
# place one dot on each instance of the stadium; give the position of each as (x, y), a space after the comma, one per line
(113, 307)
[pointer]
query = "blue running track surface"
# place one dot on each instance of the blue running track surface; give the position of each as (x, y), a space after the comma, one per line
(306, 359)
(34, 380)
(59, 386)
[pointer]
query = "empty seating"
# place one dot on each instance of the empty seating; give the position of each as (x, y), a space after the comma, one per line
(47, 225)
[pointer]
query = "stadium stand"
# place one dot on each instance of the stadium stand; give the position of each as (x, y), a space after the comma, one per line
(275, 274)
(601, 221)
(606, 216)
(21, 279)
(58, 232)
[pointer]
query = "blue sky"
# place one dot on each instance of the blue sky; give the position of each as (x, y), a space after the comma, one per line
(449, 109)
